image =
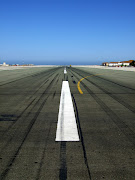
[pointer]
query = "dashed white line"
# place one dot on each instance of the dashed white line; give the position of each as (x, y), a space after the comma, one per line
(66, 126)
(65, 71)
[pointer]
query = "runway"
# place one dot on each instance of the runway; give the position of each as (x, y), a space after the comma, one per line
(104, 108)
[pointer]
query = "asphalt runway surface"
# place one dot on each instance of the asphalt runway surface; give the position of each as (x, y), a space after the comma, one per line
(104, 105)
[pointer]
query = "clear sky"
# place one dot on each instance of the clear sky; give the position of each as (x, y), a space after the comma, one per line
(66, 31)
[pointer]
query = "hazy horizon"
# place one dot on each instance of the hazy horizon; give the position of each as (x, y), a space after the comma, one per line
(50, 63)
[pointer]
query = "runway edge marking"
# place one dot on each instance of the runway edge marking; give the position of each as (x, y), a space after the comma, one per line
(66, 126)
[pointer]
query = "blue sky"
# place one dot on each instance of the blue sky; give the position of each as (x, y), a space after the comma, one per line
(66, 31)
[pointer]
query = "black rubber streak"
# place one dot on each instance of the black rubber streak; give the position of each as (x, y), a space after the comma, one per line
(120, 124)
(63, 165)
(32, 75)
(43, 155)
(5, 172)
(112, 95)
(88, 74)
(32, 101)
(81, 137)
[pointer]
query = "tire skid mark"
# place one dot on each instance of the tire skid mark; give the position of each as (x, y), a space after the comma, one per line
(28, 114)
(111, 95)
(104, 79)
(45, 147)
(58, 78)
(81, 136)
(28, 104)
(63, 164)
(54, 94)
(12, 160)
(43, 154)
(72, 77)
(114, 97)
(3, 175)
(130, 135)
(32, 75)
(46, 73)
(64, 77)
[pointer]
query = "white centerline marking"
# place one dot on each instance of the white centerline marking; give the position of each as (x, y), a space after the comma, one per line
(65, 71)
(66, 126)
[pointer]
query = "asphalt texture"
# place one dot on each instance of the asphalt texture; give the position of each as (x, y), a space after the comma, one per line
(105, 115)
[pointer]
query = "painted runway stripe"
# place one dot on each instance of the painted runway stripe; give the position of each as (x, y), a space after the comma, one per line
(65, 71)
(66, 126)
(78, 84)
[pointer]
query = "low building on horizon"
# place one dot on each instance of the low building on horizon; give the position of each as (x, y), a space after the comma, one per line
(4, 64)
(119, 63)
(114, 64)
(127, 63)
(105, 64)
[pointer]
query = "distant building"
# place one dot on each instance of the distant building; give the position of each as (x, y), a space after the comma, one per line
(127, 63)
(4, 64)
(117, 64)
(105, 64)
(114, 64)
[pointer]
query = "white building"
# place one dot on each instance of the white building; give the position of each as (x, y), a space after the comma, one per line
(4, 64)
(127, 63)
(122, 63)
(113, 64)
